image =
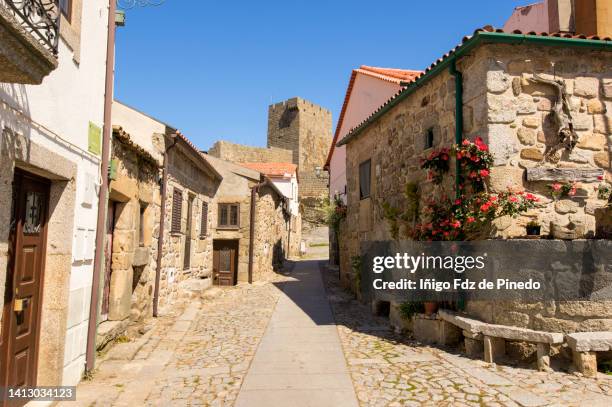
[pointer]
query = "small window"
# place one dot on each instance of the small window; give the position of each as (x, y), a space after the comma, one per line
(66, 8)
(229, 215)
(204, 221)
(141, 225)
(364, 179)
(429, 139)
(177, 211)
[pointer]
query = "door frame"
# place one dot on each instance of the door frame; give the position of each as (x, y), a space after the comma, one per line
(234, 261)
(14, 240)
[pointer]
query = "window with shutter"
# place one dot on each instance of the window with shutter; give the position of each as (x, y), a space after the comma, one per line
(177, 210)
(204, 221)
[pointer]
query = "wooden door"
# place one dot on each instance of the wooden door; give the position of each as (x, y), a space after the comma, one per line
(108, 257)
(23, 291)
(225, 262)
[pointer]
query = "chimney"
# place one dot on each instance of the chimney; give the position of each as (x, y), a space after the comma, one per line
(561, 16)
(593, 17)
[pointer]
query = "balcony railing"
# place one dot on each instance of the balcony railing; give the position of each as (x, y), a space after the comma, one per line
(39, 18)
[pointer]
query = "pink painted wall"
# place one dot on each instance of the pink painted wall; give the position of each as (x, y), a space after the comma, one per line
(533, 17)
(367, 95)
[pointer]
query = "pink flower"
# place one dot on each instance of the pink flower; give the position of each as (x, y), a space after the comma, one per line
(556, 186)
(457, 201)
(484, 173)
(600, 177)
(466, 142)
(513, 199)
(445, 157)
(459, 155)
(456, 224)
(471, 219)
(473, 174)
(531, 197)
(485, 207)
(572, 191)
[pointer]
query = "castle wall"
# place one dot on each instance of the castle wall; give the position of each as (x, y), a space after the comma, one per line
(240, 153)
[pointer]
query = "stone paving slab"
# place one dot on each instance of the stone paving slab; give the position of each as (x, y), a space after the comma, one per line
(315, 374)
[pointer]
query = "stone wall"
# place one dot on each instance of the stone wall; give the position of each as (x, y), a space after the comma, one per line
(511, 114)
(134, 188)
(196, 185)
(240, 153)
(271, 233)
(521, 130)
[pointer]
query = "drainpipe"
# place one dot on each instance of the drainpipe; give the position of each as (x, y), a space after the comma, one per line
(162, 217)
(103, 197)
(458, 117)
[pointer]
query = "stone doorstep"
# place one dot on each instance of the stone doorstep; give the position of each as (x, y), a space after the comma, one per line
(109, 330)
(590, 341)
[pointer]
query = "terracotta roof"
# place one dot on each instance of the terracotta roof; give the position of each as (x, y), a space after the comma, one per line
(389, 74)
(487, 33)
(398, 76)
(273, 169)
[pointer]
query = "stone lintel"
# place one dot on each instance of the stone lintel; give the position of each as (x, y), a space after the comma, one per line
(564, 174)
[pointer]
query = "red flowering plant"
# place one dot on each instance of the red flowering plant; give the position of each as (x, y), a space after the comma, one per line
(465, 218)
(470, 214)
(559, 190)
(475, 159)
(437, 164)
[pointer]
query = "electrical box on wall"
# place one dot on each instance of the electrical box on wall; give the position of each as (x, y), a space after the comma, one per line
(89, 190)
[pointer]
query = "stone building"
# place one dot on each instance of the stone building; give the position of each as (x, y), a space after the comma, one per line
(51, 118)
(299, 132)
(131, 245)
(275, 228)
(491, 86)
(142, 145)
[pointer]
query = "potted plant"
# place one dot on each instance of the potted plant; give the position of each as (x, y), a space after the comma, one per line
(533, 228)
(430, 307)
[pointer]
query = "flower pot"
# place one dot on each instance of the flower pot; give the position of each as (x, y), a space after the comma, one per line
(533, 230)
(430, 307)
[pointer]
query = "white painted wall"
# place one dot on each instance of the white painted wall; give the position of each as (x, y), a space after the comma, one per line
(139, 126)
(56, 115)
(289, 188)
(367, 95)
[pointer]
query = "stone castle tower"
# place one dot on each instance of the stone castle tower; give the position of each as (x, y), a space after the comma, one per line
(300, 132)
(305, 129)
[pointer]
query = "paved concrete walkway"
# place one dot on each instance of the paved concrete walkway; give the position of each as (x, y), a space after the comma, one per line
(299, 361)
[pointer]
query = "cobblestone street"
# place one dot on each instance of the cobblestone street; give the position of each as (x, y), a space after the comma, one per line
(201, 356)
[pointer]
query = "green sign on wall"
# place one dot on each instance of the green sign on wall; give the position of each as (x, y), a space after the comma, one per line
(95, 139)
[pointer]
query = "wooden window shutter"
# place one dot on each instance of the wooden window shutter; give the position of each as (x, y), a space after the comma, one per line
(177, 211)
(204, 220)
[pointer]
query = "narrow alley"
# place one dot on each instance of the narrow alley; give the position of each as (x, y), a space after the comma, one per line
(300, 340)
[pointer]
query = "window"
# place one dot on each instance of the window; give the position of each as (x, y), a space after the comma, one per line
(364, 179)
(141, 225)
(229, 215)
(204, 221)
(177, 211)
(66, 8)
(429, 139)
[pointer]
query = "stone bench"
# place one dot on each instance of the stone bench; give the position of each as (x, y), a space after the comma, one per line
(494, 338)
(584, 346)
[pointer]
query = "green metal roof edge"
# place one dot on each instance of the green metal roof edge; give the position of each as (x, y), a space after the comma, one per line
(478, 38)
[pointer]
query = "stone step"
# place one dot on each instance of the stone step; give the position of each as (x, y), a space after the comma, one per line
(590, 341)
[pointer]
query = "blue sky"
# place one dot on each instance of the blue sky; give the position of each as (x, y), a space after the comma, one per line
(211, 68)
